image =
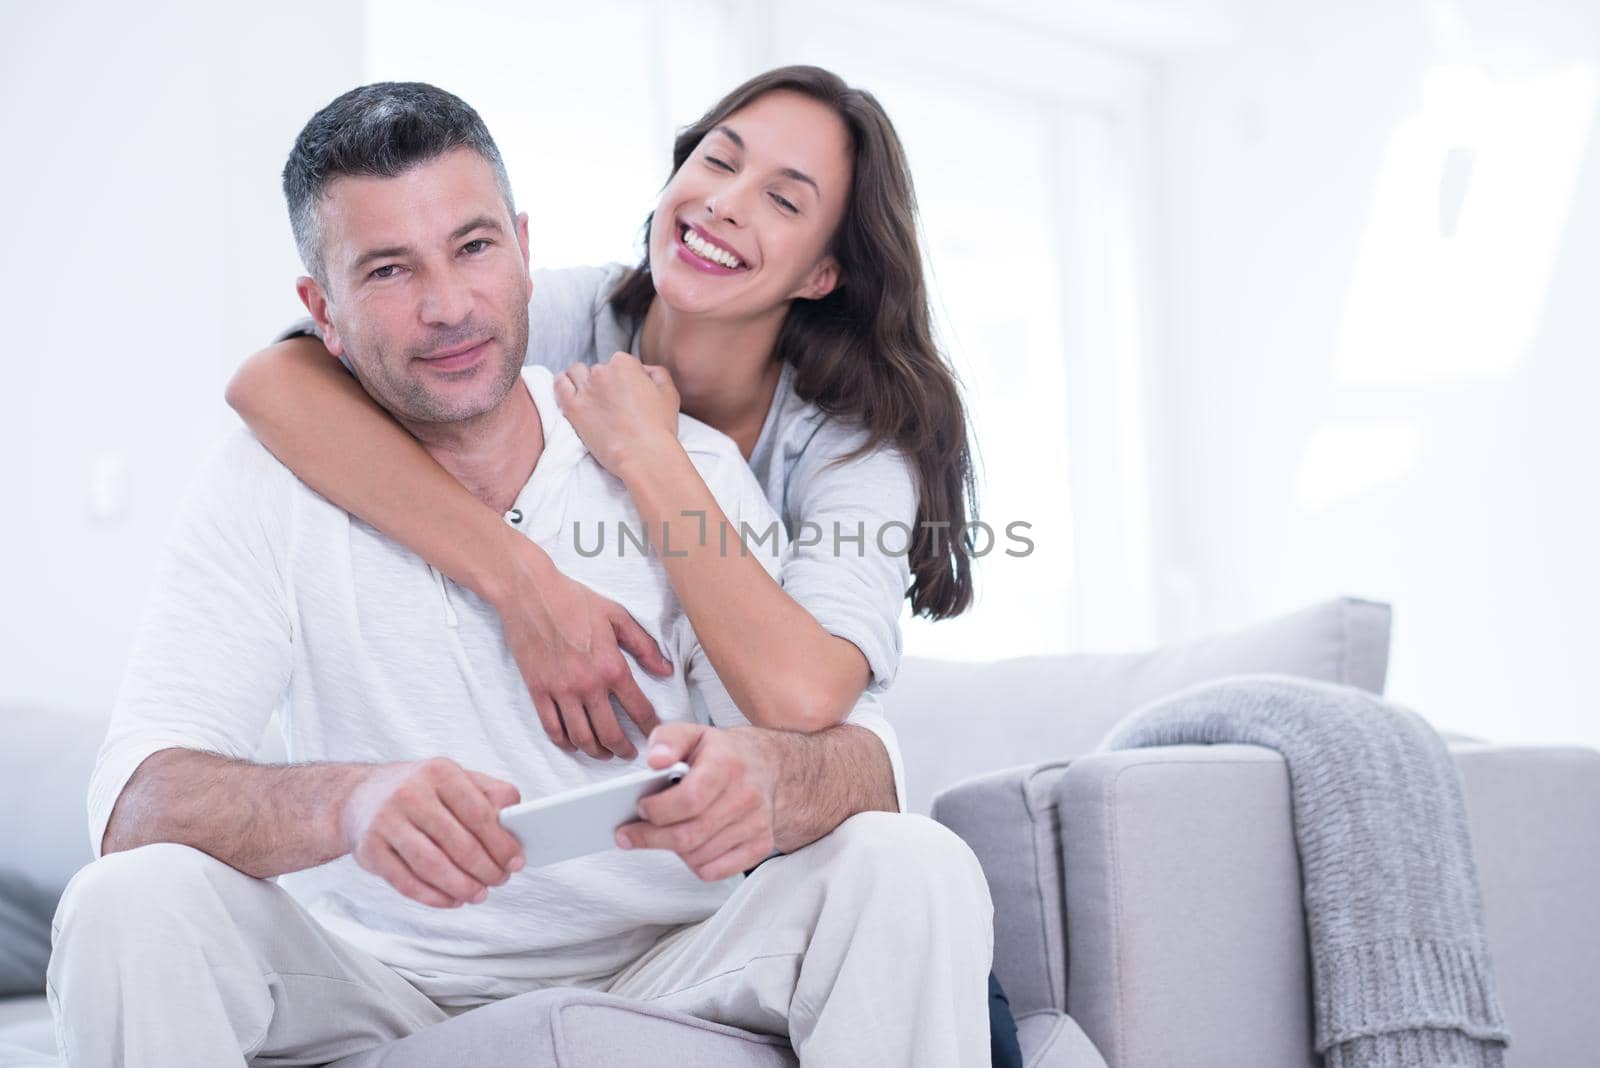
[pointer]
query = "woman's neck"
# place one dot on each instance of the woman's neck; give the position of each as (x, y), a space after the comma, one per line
(725, 373)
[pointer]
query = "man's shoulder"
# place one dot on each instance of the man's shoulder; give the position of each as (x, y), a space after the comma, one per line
(239, 472)
(705, 444)
(240, 453)
(718, 459)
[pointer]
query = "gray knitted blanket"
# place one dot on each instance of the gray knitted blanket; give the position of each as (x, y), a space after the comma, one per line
(1401, 976)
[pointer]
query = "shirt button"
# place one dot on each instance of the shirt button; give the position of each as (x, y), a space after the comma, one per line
(514, 516)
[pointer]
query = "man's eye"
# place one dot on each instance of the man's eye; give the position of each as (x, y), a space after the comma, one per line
(476, 245)
(386, 271)
(715, 162)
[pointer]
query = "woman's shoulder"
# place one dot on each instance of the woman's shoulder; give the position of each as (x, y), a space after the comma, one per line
(588, 286)
(570, 318)
(814, 454)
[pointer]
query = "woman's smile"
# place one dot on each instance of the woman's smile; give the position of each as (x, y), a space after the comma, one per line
(704, 251)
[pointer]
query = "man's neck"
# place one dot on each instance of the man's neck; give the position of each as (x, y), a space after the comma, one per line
(724, 370)
(492, 454)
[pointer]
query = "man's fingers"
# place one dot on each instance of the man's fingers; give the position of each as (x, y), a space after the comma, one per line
(459, 845)
(675, 741)
(736, 848)
(429, 863)
(499, 792)
(693, 796)
(739, 859)
(636, 706)
(394, 870)
(480, 820)
(636, 640)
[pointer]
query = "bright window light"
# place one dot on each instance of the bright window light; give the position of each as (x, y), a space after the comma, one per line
(1343, 460)
(1464, 227)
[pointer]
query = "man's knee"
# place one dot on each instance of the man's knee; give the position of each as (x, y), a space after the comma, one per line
(131, 889)
(913, 858)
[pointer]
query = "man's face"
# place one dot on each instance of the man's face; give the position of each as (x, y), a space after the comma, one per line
(428, 287)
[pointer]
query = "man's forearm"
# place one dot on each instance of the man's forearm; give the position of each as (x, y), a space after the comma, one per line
(825, 778)
(263, 819)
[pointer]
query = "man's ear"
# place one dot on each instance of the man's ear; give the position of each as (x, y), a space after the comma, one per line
(522, 239)
(316, 302)
(823, 279)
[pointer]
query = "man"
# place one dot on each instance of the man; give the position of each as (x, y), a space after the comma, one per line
(401, 900)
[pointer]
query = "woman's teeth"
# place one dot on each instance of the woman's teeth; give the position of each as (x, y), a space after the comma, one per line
(707, 251)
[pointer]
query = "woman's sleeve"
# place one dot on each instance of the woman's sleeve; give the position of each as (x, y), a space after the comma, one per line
(849, 561)
(563, 312)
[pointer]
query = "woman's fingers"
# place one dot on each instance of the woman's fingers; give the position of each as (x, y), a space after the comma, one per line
(636, 640)
(550, 718)
(635, 705)
(607, 730)
(570, 383)
(576, 721)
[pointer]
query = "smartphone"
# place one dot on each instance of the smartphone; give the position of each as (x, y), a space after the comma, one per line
(585, 820)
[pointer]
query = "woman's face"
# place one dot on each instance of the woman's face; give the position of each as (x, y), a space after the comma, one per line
(745, 224)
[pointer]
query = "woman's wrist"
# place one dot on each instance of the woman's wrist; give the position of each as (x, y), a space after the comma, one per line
(646, 466)
(519, 568)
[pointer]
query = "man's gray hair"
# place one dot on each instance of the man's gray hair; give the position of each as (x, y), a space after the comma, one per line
(380, 130)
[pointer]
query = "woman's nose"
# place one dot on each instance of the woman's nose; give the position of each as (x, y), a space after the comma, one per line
(727, 203)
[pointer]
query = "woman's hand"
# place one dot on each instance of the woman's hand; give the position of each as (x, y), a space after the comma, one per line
(621, 408)
(568, 642)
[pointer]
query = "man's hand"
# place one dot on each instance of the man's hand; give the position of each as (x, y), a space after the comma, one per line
(719, 818)
(431, 829)
(568, 643)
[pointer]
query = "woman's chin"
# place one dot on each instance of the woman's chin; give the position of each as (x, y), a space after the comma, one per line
(695, 295)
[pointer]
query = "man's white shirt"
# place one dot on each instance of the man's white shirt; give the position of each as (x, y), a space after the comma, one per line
(270, 598)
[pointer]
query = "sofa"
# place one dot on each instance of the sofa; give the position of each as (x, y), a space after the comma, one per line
(1147, 902)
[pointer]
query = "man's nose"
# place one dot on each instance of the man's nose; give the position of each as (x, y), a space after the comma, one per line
(446, 300)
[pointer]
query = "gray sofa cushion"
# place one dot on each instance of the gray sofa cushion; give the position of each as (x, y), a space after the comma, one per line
(570, 1026)
(1047, 712)
(959, 720)
(25, 912)
(44, 830)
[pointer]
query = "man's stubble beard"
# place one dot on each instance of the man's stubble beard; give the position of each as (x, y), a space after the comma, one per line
(408, 398)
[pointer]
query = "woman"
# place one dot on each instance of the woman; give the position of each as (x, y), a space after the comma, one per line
(780, 300)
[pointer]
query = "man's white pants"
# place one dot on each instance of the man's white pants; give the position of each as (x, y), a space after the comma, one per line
(872, 946)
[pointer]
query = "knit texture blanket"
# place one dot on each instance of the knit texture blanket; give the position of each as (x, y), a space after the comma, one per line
(1401, 976)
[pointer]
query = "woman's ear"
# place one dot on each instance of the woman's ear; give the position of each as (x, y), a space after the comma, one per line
(824, 278)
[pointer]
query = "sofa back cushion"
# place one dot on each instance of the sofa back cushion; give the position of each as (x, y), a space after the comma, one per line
(957, 720)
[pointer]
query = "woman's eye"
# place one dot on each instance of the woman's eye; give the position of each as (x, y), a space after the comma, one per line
(715, 162)
(783, 203)
(476, 245)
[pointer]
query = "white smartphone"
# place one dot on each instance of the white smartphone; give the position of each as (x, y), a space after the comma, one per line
(585, 820)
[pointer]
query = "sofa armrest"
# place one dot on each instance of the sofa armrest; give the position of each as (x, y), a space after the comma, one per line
(1184, 915)
(1183, 908)
(1009, 820)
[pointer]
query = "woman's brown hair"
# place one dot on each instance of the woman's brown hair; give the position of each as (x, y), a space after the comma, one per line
(865, 352)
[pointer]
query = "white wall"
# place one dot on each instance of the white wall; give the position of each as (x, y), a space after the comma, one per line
(1369, 396)
(147, 250)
